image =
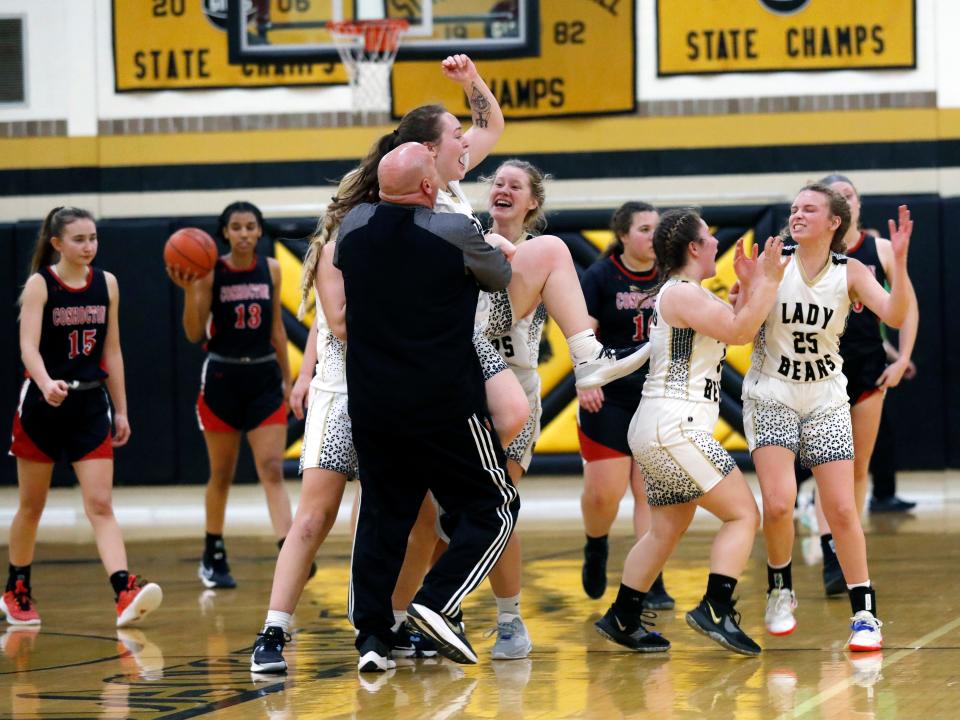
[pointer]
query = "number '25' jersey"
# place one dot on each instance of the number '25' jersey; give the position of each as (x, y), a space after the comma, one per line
(684, 364)
(241, 314)
(74, 327)
(800, 339)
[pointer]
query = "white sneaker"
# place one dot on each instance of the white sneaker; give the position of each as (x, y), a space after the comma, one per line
(781, 602)
(610, 365)
(865, 635)
(513, 640)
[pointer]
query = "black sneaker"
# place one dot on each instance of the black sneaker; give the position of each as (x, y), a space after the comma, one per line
(594, 574)
(375, 656)
(722, 627)
(410, 643)
(267, 654)
(658, 598)
(892, 504)
(639, 639)
(215, 572)
(451, 641)
(834, 583)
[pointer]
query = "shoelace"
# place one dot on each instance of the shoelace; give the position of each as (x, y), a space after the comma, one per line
(646, 620)
(784, 601)
(863, 623)
(275, 640)
(22, 596)
(509, 627)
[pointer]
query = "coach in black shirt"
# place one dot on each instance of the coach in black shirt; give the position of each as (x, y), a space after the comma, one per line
(416, 400)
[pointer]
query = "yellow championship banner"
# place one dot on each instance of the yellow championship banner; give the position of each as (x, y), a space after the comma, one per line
(182, 44)
(720, 36)
(586, 65)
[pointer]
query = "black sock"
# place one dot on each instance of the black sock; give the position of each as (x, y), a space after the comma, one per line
(18, 573)
(863, 598)
(629, 606)
(826, 544)
(720, 590)
(280, 543)
(780, 577)
(597, 544)
(119, 581)
(213, 546)
(658, 585)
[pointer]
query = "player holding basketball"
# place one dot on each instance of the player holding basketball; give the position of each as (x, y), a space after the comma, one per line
(245, 377)
(795, 401)
(620, 309)
(671, 434)
(70, 346)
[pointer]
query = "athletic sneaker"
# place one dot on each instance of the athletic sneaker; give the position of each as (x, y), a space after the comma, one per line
(267, 656)
(448, 635)
(722, 627)
(215, 572)
(658, 598)
(610, 365)
(781, 602)
(409, 643)
(594, 574)
(19, 607)
(834, 583)
(513, 641)
(865, 635)
(375, 656)
(639, 639)
(139, 599)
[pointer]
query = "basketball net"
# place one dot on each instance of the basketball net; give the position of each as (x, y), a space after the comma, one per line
(367, 49)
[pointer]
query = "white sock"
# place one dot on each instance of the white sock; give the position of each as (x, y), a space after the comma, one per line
(584, 346)
(865, 584)
(279, 619)
(399, 616)
(508, 608)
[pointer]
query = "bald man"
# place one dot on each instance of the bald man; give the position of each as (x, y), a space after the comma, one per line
(417, 406)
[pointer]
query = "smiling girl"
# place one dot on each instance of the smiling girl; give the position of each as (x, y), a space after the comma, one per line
(70, 345)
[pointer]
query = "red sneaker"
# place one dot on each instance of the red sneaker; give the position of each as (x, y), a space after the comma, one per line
(137, 600)
(19, 607)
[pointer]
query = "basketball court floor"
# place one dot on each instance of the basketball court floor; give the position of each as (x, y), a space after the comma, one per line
(191, 659)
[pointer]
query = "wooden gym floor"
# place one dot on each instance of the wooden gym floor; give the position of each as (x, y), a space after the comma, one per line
(191, 659)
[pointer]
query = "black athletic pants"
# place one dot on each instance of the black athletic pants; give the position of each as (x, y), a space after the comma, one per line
(464, 467)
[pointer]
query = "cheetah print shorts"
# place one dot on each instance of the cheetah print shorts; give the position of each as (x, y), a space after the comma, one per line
(672, 441)
(327, 439)
(811, 420)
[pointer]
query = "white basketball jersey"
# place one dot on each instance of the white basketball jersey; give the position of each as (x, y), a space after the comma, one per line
(800, 339)
(684, 364)
(456, 202)
(331, 374)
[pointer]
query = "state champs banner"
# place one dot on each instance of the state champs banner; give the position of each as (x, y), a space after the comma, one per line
(697, 37)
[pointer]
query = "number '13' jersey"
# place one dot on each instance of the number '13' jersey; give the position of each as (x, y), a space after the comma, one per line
(241, 314)
(684, 364)
(800, 339)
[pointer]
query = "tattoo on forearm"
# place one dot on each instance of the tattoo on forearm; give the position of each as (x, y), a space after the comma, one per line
(480, 106)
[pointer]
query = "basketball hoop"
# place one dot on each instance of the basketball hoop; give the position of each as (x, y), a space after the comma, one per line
(367, 49)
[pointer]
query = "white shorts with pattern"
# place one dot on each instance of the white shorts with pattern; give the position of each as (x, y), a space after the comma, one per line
(672, 440)
(327, 438)
(520, 449)
(812, 420)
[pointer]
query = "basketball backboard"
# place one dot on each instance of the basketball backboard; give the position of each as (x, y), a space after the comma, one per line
(296, 30)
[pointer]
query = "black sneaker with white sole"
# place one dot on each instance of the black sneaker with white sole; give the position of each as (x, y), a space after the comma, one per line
(722, 625)
(375, 656)
(451, 641)
(610, 365)
(267, 654)
(410, 643)
(214, 572)
(638, 638)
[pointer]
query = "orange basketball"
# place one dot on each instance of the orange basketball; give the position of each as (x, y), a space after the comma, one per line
(191, 250)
